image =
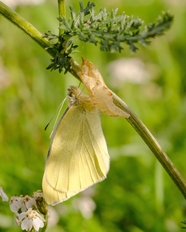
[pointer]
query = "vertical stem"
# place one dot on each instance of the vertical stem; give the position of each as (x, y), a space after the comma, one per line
(62, 12)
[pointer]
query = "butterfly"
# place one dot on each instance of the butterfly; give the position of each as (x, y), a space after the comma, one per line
(78, 155)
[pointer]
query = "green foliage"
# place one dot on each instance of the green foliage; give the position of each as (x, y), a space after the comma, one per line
(184, 226)
(110, 30)
(107, 29)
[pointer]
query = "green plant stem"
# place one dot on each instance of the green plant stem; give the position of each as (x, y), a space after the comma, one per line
(61, 7)
(25, 26)
(45, 224)
(62, 12)
(151, 142)
(135, 122)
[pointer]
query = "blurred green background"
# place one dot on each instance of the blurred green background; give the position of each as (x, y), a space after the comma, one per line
(137, 195)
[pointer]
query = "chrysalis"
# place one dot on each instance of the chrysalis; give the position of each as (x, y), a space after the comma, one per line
(101, 95)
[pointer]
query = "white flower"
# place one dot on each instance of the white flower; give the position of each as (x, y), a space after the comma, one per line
(29, 202)
(16, 204)
(86, 206)
(30, 220)
(14, 3)
(53, 217)
(3, 195)
(21, 204)
(85, 203)
(128, 70)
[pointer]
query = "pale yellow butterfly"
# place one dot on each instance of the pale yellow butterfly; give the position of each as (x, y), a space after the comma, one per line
(101, 95)
(78, 155)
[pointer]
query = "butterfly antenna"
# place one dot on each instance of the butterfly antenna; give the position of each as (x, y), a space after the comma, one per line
(81, 90)
(48, 123)
(58, 113)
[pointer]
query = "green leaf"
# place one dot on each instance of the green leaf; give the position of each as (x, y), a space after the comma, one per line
(107, 29)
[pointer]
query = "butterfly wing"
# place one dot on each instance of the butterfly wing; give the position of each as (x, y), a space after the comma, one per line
(52, 196)
(78, 155)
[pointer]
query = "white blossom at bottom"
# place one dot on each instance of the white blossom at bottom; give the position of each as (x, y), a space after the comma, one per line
(29, 220)
(22, 204)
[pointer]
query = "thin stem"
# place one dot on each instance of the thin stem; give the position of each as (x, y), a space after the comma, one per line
(61, 6)
(25, 26)
(46, 223)
(62, 12)
(151, 142)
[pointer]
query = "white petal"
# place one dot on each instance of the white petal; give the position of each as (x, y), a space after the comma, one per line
(23, 208)
(20, 216)
(30, 203)
(3, 195)
(37, 223)
(26, 224)
(15, 204)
